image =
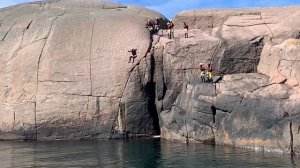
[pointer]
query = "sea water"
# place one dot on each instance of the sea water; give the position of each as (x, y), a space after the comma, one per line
(141, 153)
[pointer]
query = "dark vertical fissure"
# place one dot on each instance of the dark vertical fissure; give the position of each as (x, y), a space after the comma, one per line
(151, 92)
(214, 112)
(292, 139)
(187, 133)
(97, 112)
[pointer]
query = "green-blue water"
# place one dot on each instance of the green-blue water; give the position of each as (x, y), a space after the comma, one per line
(136, 154)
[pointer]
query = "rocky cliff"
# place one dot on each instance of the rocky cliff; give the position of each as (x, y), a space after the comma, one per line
(256, 104)
(64, 71)
(64, 75)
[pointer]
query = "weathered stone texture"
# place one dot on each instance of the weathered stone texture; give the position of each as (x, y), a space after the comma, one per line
(64, 71)
(244, 109)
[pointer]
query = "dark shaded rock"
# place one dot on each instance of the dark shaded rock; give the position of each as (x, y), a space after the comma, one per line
(240, 57)
(227, 102)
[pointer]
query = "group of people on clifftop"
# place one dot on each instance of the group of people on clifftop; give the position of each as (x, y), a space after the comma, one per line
(206, 74)
(154, 27)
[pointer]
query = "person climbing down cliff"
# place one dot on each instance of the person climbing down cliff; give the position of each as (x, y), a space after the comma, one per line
(202, 73)
(186, 29)
(170, 29)
(156, 26)
(149, 25)
(133, 52)
(209, 73)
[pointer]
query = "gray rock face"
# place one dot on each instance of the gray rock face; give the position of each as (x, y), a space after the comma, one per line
(250, 115)
(244, 109)
(64, 71)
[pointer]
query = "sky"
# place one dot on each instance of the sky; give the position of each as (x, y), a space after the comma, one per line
(171, 7)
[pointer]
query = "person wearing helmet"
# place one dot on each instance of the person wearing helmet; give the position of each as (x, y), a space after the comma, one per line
(186, 29)
(209, 73)
(156, 25)
(202, 73)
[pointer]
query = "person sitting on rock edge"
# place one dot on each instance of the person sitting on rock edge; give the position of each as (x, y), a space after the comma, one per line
(202, 73)
(149, 25)
(133, 52)
(209, 73)
(186, 29)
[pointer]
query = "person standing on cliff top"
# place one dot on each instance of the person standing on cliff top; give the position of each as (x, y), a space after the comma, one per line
(202, 73)
(133, 52)
(170, 29)
(209, 73)
(186, 29)
(156, 26)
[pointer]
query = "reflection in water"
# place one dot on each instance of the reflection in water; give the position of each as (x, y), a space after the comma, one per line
(134, 154)
(293, 161)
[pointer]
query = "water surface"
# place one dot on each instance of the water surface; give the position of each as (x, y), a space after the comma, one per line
(134, 154)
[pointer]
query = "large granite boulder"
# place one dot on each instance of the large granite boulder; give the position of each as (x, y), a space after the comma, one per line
(284, 66)
(64, 71)
(257, 106)
(243, 110)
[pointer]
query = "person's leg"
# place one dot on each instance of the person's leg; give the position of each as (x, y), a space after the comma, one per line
(150, 29)
(156, 29)
(210, 77)
(133, 58)
(173, 34)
